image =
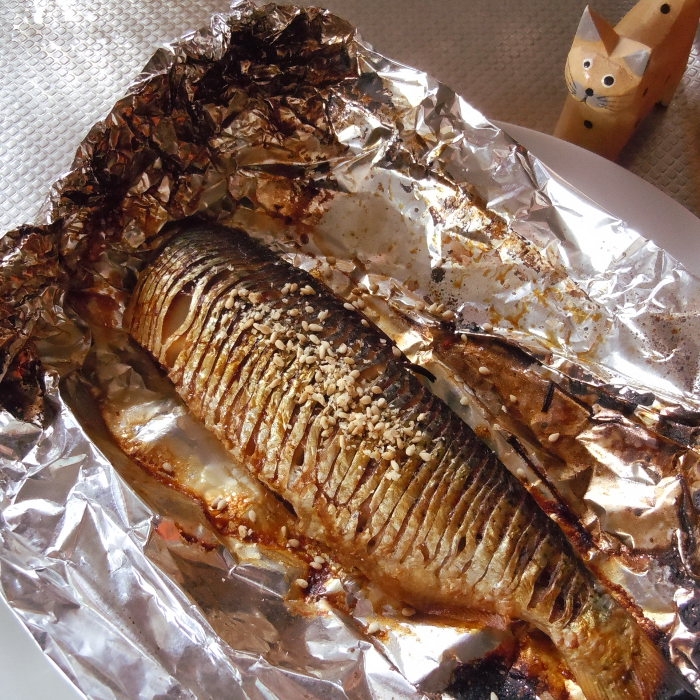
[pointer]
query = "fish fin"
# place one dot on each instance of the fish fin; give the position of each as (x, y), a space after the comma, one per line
(649, 677)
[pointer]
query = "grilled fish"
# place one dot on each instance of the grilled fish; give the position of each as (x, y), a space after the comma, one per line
(323, 409)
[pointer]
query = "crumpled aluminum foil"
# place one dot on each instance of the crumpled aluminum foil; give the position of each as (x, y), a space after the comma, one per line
(398, 193)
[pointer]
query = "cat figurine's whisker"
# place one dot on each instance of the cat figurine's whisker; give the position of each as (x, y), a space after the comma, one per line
(615, 75)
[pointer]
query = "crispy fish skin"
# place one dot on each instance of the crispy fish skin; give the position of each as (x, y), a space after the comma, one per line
(322, 408)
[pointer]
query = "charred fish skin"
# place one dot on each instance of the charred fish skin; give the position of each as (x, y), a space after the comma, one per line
(321, 407)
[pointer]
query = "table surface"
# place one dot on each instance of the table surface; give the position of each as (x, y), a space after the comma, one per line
(65, 62)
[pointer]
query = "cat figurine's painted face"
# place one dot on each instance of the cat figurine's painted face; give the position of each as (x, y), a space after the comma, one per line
(605, 74)
(615, 75)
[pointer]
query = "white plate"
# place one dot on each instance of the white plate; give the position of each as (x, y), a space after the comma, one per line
(640, 205)
(26, 674)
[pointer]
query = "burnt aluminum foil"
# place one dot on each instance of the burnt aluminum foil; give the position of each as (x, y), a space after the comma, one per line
(406, 200)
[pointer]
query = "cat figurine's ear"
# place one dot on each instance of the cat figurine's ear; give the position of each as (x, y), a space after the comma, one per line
(636, 57)
(593, 27)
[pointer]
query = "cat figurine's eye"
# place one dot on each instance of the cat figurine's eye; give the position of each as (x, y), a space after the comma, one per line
(639, 62)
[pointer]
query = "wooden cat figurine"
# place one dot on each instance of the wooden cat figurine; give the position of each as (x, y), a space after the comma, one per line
(615, 75)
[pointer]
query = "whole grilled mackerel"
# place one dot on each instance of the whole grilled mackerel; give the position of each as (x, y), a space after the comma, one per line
(322, 408)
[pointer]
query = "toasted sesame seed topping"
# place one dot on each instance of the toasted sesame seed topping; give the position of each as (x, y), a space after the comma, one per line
(167, 468)
(484, 370)
(373, 628)
(302, 583)
(408, 612)
(307, 290)
(553, 437)
(348, 306)
(292, 543)
(242, 531)
(513, 398)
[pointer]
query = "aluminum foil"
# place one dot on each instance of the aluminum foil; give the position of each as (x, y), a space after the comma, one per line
(413, 206)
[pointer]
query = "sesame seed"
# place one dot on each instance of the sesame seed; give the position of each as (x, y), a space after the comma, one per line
(316, 565)
(307, 290)
(252, 515)
(293, 312)
(293, 287)
(323, 315)
(395, 351)
(463, 401)
(292, 543)
(410, 450)
(243, 292)
(302, 583)
(513, 398)
(228, 304)
(315, 327)
(348, 306)
(484, 370)
(167, 468)
(408, 612)
(220, 503)
(373, 628)
(242, 531)
(376, 390)
(255, 297)
(553, 437)
(365, 323)
(425, 456)
(280, 345)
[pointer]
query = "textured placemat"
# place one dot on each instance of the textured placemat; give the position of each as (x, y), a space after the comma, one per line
(64, 62)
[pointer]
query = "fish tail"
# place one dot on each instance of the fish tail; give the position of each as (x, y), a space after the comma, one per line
(623, 665)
